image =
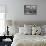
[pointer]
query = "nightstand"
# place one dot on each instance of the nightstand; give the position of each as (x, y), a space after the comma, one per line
(6, 40)
(7, 43)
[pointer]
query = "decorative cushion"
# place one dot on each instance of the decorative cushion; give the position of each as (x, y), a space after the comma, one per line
(24, 30)
(36, 30)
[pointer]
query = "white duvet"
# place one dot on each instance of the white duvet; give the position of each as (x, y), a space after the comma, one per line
(29, 40)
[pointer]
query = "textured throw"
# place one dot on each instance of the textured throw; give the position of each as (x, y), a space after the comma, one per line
(29, 40)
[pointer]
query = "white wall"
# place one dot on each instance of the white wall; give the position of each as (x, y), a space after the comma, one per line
(41, 10)
(15, 10)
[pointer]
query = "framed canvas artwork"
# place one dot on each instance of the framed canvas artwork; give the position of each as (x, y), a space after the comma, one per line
(30, 9)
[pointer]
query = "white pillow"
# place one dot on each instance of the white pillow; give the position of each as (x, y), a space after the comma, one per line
(44, 27)
(21, 30)
(28, 26)
(33, 30)
(28, 31)
(24, 30)
(13, 30)
(42, 30)
(36, 30)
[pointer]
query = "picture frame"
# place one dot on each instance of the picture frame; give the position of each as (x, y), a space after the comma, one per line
(30, 9)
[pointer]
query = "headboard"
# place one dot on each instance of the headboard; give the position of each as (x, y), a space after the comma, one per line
(21, 23)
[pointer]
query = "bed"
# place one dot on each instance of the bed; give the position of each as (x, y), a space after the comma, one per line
(29, 40)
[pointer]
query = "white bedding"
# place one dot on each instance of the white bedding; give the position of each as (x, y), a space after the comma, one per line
(29, 40)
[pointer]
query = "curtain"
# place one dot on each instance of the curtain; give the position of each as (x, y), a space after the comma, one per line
(2, 19)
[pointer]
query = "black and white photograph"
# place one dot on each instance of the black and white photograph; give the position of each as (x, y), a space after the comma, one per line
(30, 9)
